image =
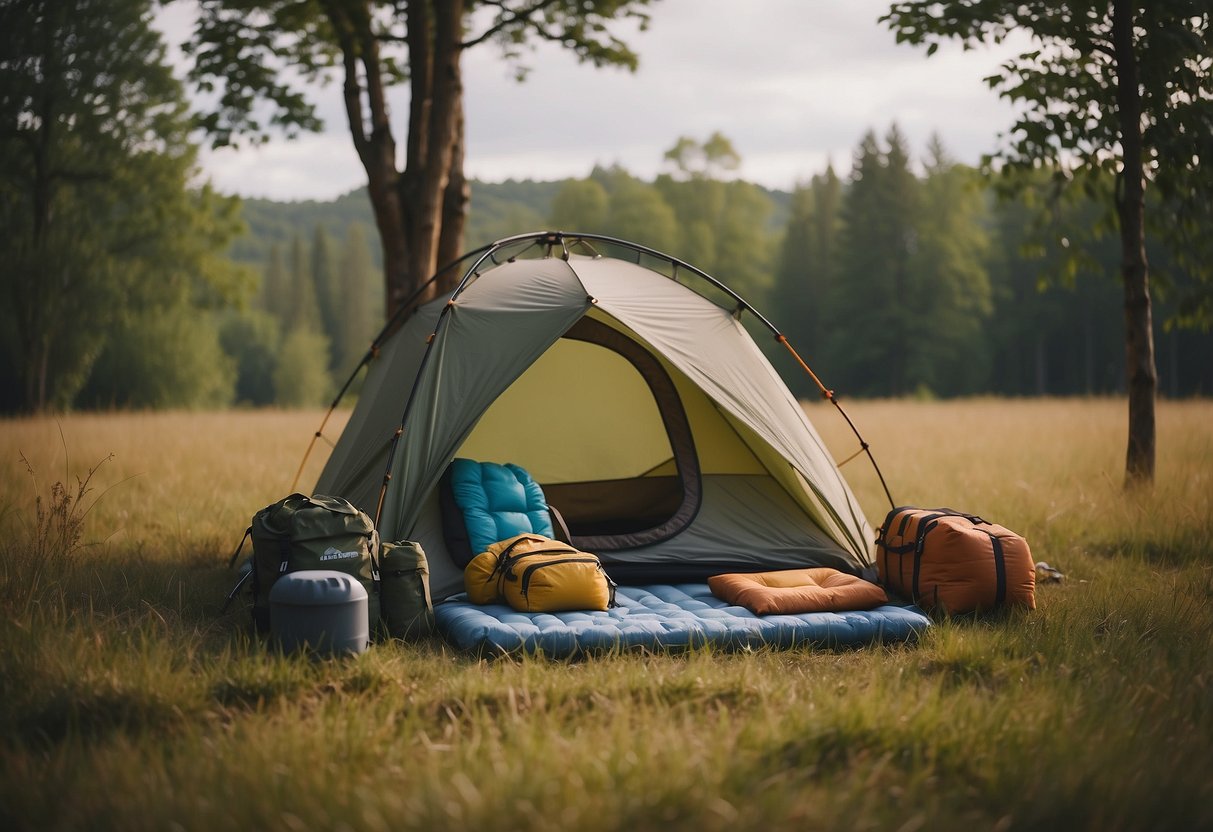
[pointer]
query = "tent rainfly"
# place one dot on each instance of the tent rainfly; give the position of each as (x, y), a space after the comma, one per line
(644, 409)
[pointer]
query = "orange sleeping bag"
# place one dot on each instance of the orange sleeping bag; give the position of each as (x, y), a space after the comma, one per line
(954, 562)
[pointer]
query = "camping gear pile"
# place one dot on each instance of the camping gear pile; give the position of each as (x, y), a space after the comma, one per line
(627, 394)
(321, 580)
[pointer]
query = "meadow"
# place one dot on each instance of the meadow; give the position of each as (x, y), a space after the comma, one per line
(130, 702)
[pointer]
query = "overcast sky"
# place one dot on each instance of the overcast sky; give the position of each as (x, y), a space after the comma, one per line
(793, 83)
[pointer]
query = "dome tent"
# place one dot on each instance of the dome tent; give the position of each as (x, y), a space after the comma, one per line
(644, 409)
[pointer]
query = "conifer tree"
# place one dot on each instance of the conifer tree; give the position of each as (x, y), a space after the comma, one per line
(874, 290)
(329, 297)
(953, 294)
(276, 295)
(1117, 88)
(304, 306)
(806, 269)
(359, 291)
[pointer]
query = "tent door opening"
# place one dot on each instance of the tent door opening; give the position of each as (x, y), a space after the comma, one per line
(599, 423)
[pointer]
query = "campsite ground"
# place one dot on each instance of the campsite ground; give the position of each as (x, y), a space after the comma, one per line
(129, 702)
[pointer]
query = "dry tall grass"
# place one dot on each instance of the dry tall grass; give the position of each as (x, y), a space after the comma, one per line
(129, 703)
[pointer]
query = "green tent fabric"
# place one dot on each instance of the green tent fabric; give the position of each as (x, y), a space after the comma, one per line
(646, 411)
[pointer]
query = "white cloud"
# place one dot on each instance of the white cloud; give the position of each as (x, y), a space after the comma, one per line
(316, 166)
(791, 82)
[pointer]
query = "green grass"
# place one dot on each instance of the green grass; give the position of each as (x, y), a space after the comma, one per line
(131, 703)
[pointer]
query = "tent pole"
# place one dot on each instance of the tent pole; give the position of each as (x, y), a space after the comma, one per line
(551, 239)
(373, 352)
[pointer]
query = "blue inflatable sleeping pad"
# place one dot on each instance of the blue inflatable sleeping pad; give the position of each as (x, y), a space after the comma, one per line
(661, 618)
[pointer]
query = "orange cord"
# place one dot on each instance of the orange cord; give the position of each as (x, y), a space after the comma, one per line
(827, 393)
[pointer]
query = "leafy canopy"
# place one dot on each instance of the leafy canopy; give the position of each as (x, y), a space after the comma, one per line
(1067, 82)
(256, 57)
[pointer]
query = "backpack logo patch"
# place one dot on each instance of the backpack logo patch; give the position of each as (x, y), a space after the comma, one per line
(332, 553)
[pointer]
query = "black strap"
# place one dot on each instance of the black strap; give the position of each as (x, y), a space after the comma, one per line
(972, 518)
(560, 528)
(925, 525)
(247, 533)
(236, 590)
(1000, 570)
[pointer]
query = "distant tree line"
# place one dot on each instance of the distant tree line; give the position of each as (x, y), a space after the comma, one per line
(907, 277)
(125, 285)
(311, 323)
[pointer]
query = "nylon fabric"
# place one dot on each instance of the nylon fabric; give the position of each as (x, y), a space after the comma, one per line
(576, 395)
(533, 573)
(356, 465)
(707, 344)
(954, 562)
(496, 329)
(792, 591)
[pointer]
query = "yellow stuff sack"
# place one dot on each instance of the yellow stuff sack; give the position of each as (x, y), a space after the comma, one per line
(536, 574)
(482, 577)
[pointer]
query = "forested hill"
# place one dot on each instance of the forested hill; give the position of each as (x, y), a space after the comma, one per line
(894, 282)
(499, 209)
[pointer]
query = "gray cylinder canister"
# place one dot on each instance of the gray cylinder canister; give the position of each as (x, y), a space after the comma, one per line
(320, 610)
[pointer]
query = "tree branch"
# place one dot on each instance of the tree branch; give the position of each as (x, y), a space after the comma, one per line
(376, 97)
(508, 18)
(351, 89)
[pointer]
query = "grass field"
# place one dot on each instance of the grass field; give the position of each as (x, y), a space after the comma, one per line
(130, 703)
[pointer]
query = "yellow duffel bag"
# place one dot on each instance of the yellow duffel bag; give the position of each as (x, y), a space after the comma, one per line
(533, 573)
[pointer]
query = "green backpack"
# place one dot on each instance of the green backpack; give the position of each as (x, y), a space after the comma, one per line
(408, 612)
(317, 532)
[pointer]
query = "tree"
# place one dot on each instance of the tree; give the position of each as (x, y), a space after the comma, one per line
(164, 359)
(98, 222)
(327, 289)
(806, 269)
(953, 292)
(252, 339)
(276, 297)
(580, 205)
(1048, 333)
(637, 211)
(304, 305)
(874, 294)
(301, 377)
(249, 51)
(1119, 86)
(358, 303)
(710, 159)
(723, 223)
